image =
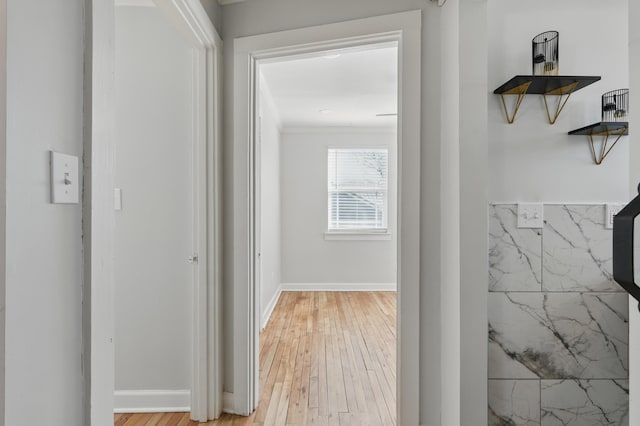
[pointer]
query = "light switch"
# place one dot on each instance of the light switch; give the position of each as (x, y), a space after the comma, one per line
(64, 178)
(530, 215)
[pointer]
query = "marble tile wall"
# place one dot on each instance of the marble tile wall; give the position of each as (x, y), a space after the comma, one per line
(558, 323)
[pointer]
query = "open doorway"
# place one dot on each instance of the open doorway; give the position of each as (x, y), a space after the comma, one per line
(242, 393)
(326, 235)
(166, 292)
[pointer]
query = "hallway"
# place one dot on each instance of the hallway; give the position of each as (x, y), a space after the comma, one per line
(326, 358)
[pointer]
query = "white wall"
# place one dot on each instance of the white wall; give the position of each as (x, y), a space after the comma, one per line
(307, 257)
(450, 159)
(43, 362)
(153, 280)
(259, 17)
(3, 197)
(474, 184)
(634, 180)
(270, 202)
(531, 160)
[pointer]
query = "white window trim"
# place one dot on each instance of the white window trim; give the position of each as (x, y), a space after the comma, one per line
(359, 235)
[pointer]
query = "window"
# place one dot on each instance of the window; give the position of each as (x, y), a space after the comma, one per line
(358, 186)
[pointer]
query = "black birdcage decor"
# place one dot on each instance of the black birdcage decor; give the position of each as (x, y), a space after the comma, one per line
(615, 105)
(544, 54)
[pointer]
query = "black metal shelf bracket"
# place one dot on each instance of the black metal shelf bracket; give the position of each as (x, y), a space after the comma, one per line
(607, 131)
(563, 94)
(520, 92)
(604, 152)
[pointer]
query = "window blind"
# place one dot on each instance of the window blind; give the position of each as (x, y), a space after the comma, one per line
(358, 186)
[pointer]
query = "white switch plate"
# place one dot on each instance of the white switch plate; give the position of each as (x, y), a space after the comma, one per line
(530, 215)
(64, 178)
(610, 211)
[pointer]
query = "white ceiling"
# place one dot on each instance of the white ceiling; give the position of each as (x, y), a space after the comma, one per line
(354, 87)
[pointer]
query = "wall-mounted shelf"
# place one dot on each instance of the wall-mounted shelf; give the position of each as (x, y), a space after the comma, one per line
(545, 85)
(604, 129)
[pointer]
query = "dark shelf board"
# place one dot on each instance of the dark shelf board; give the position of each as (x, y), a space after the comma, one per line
(602, 128)
(544, 84)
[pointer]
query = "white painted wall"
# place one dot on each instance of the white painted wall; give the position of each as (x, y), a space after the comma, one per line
(265, 16)
(531, 160)
(634, 180)
(433, 270)
(43, 362)
(450, 159)
(270, 258)
(307, 257)
(3, 198)
(474, 186)
(153, 233)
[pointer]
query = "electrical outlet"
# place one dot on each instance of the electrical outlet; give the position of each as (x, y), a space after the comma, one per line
(610, 211)
(530, 215)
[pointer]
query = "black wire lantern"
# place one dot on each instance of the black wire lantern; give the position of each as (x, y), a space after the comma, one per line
(544, 55)
(615, 105)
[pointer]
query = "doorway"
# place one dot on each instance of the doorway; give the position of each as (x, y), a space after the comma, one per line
(156, 203)
(404, 29)
(326, 234)
(203, 393)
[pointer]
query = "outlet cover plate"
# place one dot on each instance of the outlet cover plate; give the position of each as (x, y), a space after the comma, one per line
(610, 211)
(530, 215)
(64, 178)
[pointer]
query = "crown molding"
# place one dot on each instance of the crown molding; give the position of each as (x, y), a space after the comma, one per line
(138, 3)
(225, 2)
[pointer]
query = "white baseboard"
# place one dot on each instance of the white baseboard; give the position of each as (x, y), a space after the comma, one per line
(270, 307)
(339, 286)
(152, 401)
(229, 403)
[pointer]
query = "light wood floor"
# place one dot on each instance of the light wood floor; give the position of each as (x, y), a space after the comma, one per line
(326, 358)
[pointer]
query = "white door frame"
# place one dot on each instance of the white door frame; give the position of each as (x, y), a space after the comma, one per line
(3, 192)
(404, 28)
(206, 390)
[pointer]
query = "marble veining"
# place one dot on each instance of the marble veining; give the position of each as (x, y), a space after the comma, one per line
(514, 402)
(515, 255)
(584, 402)
(577, 254)
(558, 323)
(558, 335)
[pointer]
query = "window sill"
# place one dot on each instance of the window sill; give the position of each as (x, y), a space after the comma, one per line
(357, 236)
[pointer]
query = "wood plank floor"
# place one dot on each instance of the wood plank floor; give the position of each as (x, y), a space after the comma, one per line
(326, 358)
